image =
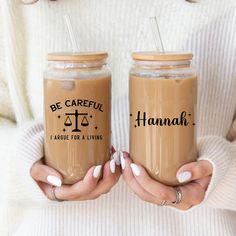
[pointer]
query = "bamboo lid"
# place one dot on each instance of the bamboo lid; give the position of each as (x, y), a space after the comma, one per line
(159, 56)
(77, 57)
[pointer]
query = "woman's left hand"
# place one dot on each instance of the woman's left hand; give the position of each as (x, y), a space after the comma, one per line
(197, 176)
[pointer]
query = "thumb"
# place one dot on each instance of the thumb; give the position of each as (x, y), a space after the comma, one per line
(194, 170)
(46, 174)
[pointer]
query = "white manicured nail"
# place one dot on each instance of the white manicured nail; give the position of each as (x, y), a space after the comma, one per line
(135, 169)
(122, 160)
(116, 157)
(97, 171)
(184, 176)
(112, 166)
(54, 180)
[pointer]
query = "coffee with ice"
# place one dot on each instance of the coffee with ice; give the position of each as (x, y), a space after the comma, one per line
(163, 97)
(77, 111)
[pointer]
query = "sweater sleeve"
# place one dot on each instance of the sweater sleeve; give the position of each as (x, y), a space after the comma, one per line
(218, 103)
(20, 145)
(221, 192)
(216, 107)
(20, 148)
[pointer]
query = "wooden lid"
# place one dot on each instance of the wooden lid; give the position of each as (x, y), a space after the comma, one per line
(77, 57)
(159, 56)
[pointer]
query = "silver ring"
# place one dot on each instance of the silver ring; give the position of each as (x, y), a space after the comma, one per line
(54, 198)
(178, 195)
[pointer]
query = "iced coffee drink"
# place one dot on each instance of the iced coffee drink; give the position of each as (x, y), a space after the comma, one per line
(163, 99)
(77, 108)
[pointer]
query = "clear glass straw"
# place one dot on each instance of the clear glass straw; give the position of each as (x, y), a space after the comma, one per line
(71, 32)
(156, 33)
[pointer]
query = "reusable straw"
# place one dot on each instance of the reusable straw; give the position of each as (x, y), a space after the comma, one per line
(71, 32)
(156, 33)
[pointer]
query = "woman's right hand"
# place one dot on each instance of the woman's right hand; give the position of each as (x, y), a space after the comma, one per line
(91, 187)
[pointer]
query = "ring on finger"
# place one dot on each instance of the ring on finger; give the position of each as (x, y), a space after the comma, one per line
(178, 196)
(53, 194)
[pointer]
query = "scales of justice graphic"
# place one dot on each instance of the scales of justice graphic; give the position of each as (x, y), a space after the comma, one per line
(76, 115)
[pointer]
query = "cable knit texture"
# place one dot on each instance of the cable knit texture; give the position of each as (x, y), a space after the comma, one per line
(29, 32)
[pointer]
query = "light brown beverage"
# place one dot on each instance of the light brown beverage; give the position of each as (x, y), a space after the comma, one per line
(162, 119)
(77, 118)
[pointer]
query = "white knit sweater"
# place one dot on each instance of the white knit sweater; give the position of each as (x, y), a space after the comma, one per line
(28, 32)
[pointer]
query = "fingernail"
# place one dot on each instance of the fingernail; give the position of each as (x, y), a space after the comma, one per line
(116, 157)
(112, 166)
(135, 169)
(97, 171)
(54, 180)
(122, 160)
(184, 176)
